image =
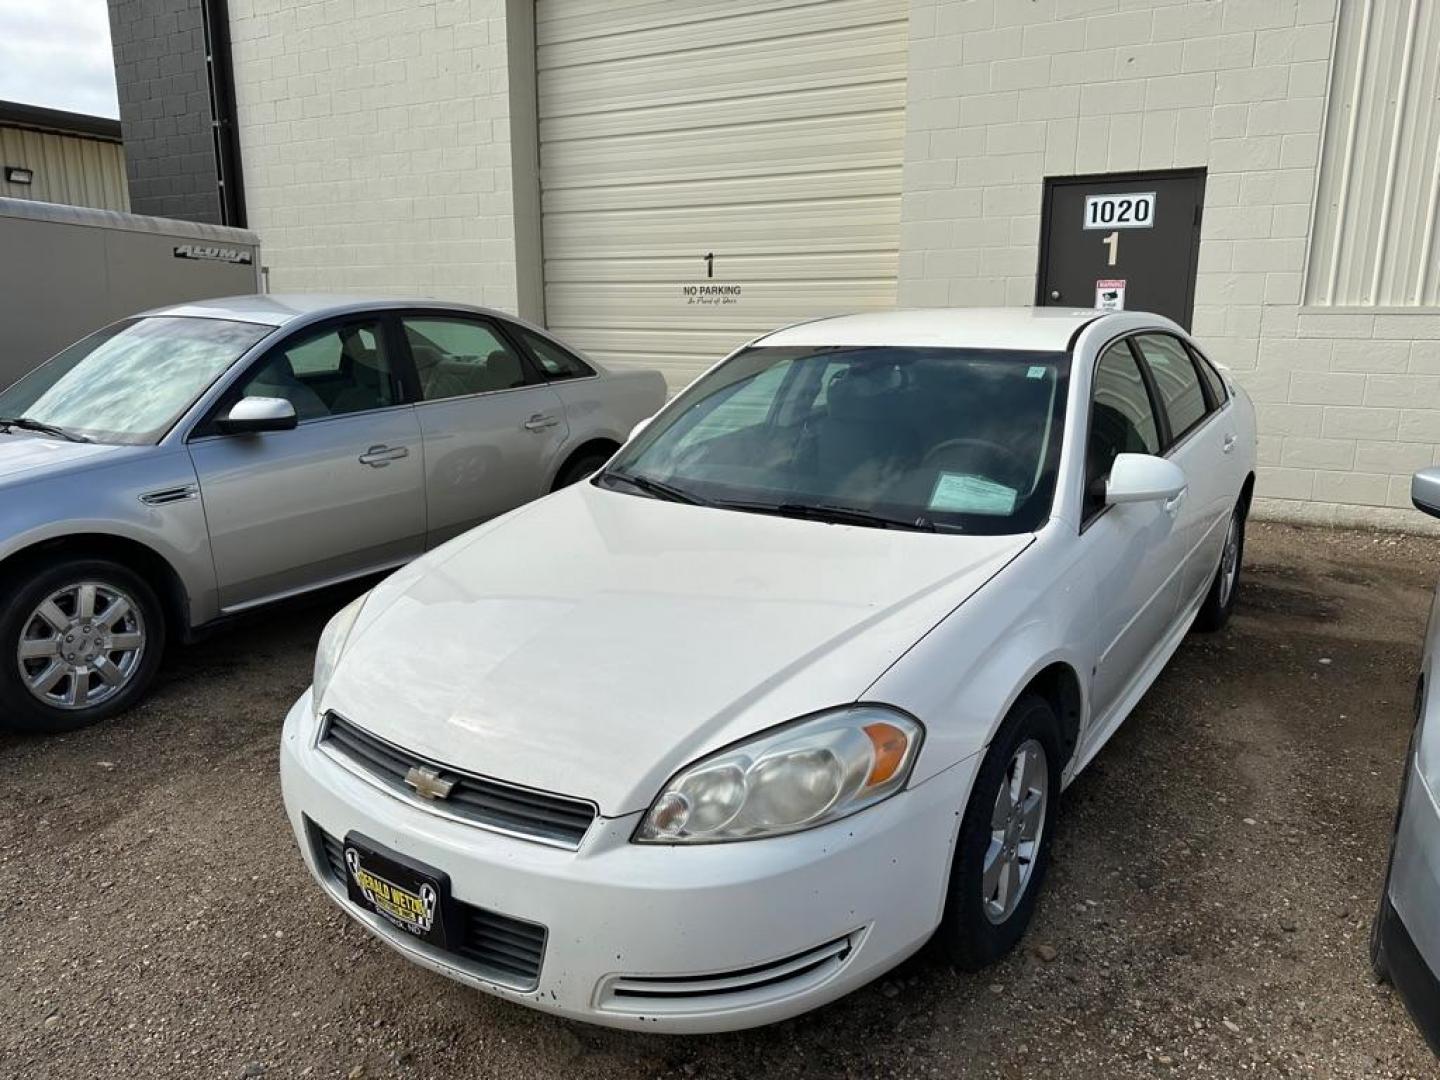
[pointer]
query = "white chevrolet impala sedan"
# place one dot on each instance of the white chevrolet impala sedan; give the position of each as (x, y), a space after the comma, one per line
(793, 684)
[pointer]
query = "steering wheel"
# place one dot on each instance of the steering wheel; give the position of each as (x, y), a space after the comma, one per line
(1013, 467)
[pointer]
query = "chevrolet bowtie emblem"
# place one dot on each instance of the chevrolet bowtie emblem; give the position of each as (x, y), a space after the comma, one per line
(428, 783)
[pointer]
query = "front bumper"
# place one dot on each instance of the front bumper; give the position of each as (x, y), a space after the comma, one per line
(1407, 929)
(665, 938)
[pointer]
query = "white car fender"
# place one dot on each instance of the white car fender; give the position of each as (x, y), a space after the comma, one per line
(1029, 629)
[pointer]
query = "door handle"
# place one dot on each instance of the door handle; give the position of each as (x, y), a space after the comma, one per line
(1172, 504)
(377, 457)
(1228, 445)
(540, 421)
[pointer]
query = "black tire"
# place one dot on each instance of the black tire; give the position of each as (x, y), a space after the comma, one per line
(581, 466)
(22, 594)
(1219, 603)
(971, 938)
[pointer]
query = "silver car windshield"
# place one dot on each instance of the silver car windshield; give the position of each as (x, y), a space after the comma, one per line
(129, 382)
(932, 439)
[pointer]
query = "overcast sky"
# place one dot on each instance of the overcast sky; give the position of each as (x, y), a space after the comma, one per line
(56, 53)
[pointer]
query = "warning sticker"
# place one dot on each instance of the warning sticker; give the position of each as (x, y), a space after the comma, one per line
(1110, 294)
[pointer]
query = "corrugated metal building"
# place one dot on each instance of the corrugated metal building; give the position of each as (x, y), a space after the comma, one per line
(48, 155)
(658, 181)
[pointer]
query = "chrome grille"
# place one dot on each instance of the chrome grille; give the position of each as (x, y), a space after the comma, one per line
(493, 804)
(499, 947)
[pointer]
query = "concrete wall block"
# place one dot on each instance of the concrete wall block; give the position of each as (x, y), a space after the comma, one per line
(1418, 425)
(1299, 452)
(1110, 99)
(1393, 457)
(1082, 68)
(1326, 388)
(1252, 85)
(1258, 14)
(1422, 324)
(1298, 354)
(1280, 419)
(1336, 324)
(1164, 58)
(1353, 422)
(1048, 39)
(1286, 117)
(1121, 28)
(1180, 91)
(1355, 488)
(1280, 483)
(1371, 356)
(1401, 391)
(1424, 358)
(1024, 73)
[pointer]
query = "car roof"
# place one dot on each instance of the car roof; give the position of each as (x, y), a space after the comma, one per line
(282, 309)
(1047, 329)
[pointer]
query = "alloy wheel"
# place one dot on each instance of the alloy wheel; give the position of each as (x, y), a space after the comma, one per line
(1017, 826)
(81, 646)
(1230, 561)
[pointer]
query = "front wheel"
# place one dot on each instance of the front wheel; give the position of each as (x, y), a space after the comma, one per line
(80, 641)
(1220, 600)
(1003, 850)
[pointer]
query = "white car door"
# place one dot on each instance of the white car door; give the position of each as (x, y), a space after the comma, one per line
(1134, 551)
(1199, 436)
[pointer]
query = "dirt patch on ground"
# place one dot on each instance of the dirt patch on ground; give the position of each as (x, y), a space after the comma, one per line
(1216, 870)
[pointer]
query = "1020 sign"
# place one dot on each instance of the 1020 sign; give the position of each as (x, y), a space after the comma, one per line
(1135, 211)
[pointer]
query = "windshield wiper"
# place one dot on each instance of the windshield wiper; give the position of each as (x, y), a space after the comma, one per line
(838, 515)
(656, 488)
(26, 424)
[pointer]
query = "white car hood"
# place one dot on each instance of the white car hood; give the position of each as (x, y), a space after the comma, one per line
(593, 643)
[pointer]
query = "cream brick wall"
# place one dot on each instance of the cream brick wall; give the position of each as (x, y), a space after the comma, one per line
(1003, 93)
(376, 145)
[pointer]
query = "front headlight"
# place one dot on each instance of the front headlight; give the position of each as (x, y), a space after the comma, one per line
(787, 779)
(332, 646)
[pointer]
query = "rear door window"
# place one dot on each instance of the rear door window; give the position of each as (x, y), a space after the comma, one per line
(1176, 381)
(554, 361)
(460, 357)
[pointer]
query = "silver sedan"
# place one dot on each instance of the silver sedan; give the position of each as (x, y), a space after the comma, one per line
(1405, 939)
(194, 462)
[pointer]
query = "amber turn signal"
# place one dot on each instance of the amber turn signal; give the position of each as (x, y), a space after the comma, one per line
(890, 744)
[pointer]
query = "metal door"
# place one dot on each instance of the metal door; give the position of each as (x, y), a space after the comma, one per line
(1122, 242)
(334, 498)
(341, 494)
(493, 431)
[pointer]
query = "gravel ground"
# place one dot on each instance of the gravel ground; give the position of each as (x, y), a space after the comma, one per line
(1207, 913)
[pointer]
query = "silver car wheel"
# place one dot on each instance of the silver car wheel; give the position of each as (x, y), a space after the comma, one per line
(81, 646)
(1230, 561)
(1017, 827)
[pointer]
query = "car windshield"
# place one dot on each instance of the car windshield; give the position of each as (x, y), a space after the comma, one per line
(129, 382)
(918, 438)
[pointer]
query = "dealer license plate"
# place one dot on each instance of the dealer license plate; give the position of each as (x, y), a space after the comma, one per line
(407, 894)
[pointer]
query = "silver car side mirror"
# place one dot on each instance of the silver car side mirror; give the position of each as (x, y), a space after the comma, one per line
(255, 414)
(1425, 491)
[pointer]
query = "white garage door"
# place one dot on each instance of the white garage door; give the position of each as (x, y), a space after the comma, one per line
(712, 171)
